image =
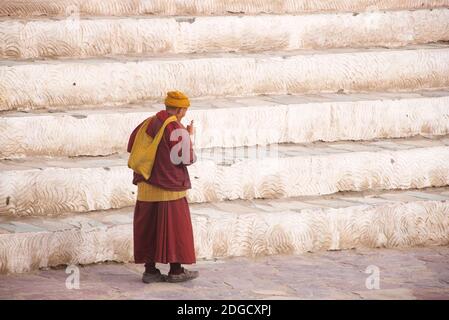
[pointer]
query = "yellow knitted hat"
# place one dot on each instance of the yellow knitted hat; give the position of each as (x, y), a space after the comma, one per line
(177, 99)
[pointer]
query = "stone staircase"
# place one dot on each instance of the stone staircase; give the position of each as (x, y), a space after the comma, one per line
(321, 125)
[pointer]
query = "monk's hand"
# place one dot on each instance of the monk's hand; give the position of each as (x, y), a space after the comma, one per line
(190, 128)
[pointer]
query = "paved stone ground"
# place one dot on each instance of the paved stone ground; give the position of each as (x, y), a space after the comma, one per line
(416, 273)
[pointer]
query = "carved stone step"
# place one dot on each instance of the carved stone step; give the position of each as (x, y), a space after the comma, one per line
(18, 8)
(232, 122)
(46, 186)
(239, 228)
(95, 37)
(40, 84)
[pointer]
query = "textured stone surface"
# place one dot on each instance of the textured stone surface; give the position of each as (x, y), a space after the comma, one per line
(418, 273)
(237, 228)
(97, 37)
(350, 81)
(122, 80)
(39, 186)
(22, 8)
(223, 122)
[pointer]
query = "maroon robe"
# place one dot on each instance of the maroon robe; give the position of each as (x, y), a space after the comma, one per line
(163, 230)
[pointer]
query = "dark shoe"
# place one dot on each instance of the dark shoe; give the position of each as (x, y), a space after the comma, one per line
(186, 275)
(153, 277)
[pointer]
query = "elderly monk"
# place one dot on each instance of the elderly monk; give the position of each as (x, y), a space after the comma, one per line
(160, 150)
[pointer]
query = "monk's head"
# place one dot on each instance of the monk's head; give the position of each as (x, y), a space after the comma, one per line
(178, 112)
(176, 103)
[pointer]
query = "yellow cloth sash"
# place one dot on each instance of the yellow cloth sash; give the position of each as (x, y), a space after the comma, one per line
(141, 160)
(148, 192)
(143, 151)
